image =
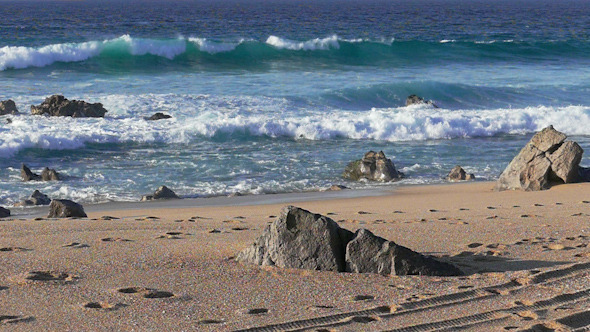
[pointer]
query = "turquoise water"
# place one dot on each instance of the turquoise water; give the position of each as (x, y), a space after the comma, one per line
(278, 96)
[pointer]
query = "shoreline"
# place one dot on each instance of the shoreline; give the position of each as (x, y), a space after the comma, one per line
(245, 200)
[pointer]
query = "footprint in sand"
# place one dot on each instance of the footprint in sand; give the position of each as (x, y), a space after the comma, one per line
(106, 306)
(555, 246)
(148, 293)
(239, 228)
(491, 208)
(433, 210)
(583, 255)
(14, 249)
(115, 239)
(9, 319)
(463, 209)
(108, 218)
(239, 217)
(50, 276)
(3, 287)
(76, 245)
(397, 211)
(272, 216)
(537, 204)
(363, 212)
(475, 245)
(211, 322)
(253, 311)
(358, 298)
(331, 214)
(214, 231)
(492, 217)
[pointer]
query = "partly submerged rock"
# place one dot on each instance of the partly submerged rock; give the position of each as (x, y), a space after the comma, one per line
(158, 116)
(8, 107)
(58, 105)
(4, 212)
(374, 167)
(304, 240)
(545, 158)
(368, 253)
(417, 100)
(27, 175)
(64, 208)
(37, 198)
(162, 192)
(459, 174)
(47, 174)
(300, 239)
(337, 187)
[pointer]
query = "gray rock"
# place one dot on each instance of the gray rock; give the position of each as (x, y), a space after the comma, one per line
(8, 107)
(300, 239)
(4, 212)
(49, 175)
(584, 174)
(158, 116)
(545, 158)
(46, 175)
(337, 187)
(459, 174)
(37, 198)
(162, 192)
(416, 100)
(64, 208)
(58, 105)
(565, 161)
(304, 240)
(374, 167)
(27, 174)
(368, 253)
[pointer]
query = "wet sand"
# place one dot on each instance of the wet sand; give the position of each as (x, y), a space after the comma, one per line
(169, 265)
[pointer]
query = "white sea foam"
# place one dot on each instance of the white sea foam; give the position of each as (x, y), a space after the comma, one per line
(213, 47)
(310, 45)
(169, 48)
(22, 57)
(195, 117)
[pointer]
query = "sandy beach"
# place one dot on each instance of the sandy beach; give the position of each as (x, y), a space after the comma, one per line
(169, 265)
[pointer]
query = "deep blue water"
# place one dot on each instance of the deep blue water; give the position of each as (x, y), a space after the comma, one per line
(277, 96)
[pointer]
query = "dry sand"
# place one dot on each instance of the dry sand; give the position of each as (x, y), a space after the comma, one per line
(525, 255)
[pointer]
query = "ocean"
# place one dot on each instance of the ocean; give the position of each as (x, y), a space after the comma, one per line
(274, 96)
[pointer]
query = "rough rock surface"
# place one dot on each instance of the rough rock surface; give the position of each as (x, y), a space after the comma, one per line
(8, 107)
(27, 174)
(4, 212)
(37, 198)
(368, 253)
(158, 116)
(162, 192)
(545, 158)
(47, 174)
(416, 100)
(374, 167)
(58, 105)
(337, 187)
(304, 240)
(300, 239)
(459, 174)
(64, 208)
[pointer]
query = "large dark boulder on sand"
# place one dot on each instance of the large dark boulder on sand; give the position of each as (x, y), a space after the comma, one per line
(368, 253)
(300, 239)
(417, 100)
(47, 174)
(304, 240)
(459, 174)
(547, 158)
(162, 192)
(58, 105)
(374, 167)
(4, 212)
(64, 208)
(37, 198)
(8, 107)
